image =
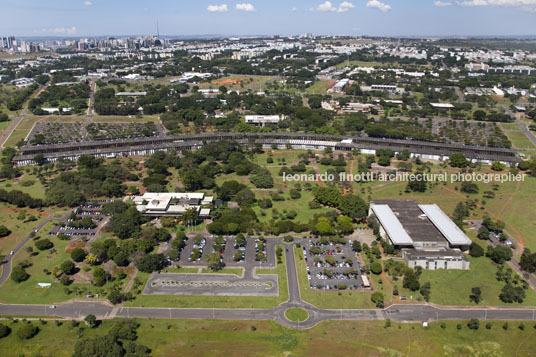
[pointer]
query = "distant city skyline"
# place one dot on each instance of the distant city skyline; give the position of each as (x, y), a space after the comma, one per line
(79, 18)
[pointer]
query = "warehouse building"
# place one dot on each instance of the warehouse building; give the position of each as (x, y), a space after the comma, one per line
(426, 236)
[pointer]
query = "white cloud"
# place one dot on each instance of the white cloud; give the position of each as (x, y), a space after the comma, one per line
(324, 7)
(327, 6)
(527, 5)
(442, 3)
(88, 3)
(218, 8)
(345, 6)
(379, 5)
(245, 7)
(294, 9)
(61, 30)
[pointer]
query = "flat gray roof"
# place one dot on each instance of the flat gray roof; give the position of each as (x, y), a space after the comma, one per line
(391, 224)
(445, 225)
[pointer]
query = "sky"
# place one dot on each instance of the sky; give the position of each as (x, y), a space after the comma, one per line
(81, 18)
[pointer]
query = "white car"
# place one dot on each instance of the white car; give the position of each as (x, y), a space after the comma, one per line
(11, 253)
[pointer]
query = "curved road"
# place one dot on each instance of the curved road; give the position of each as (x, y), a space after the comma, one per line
(401, 313)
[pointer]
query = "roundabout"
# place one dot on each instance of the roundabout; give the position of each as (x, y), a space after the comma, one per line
(296, 314)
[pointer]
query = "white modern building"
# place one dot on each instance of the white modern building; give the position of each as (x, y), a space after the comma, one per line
(173, 203)
(262, 120)
(426, 236)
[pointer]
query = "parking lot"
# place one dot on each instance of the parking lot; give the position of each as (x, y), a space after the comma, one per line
(253, 254)
(250, 254)
(82, 222)
(211, 284)
(332, 266)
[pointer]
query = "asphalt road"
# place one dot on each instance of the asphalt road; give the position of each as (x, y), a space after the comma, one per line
(6, 264)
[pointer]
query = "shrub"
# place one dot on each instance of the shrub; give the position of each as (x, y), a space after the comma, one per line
(27, 331)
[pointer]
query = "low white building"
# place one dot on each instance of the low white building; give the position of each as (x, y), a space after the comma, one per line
(173, 203)
(262, 120)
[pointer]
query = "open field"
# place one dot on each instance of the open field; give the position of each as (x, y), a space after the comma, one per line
(520, 140)
(267, 338)
(237, 302)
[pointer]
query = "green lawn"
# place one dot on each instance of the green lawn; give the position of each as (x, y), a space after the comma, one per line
(453, 287)
(510, 126)
(296, 314)
(28, 292)
(268, 338)
(331, 299)
(520, 140)
(197, 301)
(319, 87)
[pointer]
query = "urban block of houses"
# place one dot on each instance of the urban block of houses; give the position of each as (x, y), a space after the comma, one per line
(426, 236)
(173, 203)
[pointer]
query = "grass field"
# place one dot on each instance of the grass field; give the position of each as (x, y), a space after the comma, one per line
(296, 314)
(520, 140)
(319, 87)
(238, 82)
(453, 287)
(510, 126)
(331, 299)
(267, 338)
(241, 302)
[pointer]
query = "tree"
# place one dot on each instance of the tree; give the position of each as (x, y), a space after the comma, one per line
(4, 231)
(43, 244)
(426, 290)
(483, 233)
(510, 294)
(353, 206)
(356, 246)
(215, 261)
(469, 187)
(151, 262)
(27, 331)
(99, 346)
(528, 261)
(78, 254)
(18, 274)
(499, 254)
(498, 166)
(417, 185)
(476, 295)
(100, 276)
(376, 267)
(91, 320)
(411, 280)
(476, 250)
(4, 330)
(377, 299)
(460, 212)
(473, 324)
(67, 267)
(116, 297)
(458, 160)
